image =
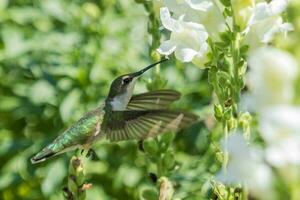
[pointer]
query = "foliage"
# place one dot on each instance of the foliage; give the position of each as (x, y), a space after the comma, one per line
(57, 60)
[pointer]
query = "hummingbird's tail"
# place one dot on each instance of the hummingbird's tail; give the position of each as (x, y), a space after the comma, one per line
(52, 150)
(48, 152)
(43, 155)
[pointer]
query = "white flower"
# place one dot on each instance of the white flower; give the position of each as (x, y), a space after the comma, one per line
(187, 40)
(246, 166)
(280, 128)
(271, 78)
(205, 12)
(181, 7)
(243, 11)
(266, 22)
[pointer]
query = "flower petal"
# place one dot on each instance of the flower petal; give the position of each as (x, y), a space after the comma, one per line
(185, 54)
(262, 11)
(167, 21)
(278, 6)
(167, 47)
(201, 5)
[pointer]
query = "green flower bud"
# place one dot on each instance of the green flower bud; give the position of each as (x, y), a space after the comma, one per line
(245, 118)
(168, 160)
(72, 185)
(218, 111)
(220, 190)
(80, 178)
(219, 157)
(245, 122)
(242, 10)
(167, 138)
(232, 123)
(73, 165)
(151, 146)
(228, 113)
(155, 55)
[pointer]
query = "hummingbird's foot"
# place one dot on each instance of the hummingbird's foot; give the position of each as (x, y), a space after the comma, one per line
(141, 145)
(92, 154)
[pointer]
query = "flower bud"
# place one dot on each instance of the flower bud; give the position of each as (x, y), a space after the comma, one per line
(218, 111)
(245, 122)
(242, 10)
(151, 146)
(232, 123)
(228, 113)
(167, 138)
(168, 160)
(72, 185)
(219, 157)
(155, 55)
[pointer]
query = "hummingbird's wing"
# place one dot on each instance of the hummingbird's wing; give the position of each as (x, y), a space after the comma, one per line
(158, 99)
(141, 124)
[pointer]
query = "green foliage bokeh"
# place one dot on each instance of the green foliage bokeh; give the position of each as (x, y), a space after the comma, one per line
(57, 59)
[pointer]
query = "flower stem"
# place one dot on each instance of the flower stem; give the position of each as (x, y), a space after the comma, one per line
(76, 189)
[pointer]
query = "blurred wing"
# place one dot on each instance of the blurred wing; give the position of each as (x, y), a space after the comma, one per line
(143, 124)
(158, 99)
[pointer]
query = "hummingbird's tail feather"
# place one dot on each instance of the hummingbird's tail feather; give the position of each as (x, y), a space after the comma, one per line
(48, 152)
(43, 155)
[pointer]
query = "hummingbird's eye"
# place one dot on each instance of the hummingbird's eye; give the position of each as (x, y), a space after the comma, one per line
(126, 81)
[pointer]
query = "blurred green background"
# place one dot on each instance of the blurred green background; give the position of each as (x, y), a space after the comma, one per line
(57, 59)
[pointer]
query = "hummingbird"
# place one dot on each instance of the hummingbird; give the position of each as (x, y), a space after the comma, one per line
(122, 116)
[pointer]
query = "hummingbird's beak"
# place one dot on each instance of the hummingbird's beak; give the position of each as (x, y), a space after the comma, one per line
(138, 73)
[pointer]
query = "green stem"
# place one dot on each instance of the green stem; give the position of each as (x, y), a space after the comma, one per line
(160, 170)
(225, 153)
(235, 51)
(76, 189)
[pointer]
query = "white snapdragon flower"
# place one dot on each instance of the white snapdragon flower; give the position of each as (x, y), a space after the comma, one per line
(271, 78)
(266, 22)
(243, 11)
(180, 7)
(187, 40)
(280, 128)
(246, 166)
(205, 12)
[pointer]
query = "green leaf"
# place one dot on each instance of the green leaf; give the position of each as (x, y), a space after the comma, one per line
(168, 160)
(244, 50)
(151, 146)
(167, 138)
(226, 3)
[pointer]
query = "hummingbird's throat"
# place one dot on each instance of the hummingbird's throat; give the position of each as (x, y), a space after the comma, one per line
(120, 102)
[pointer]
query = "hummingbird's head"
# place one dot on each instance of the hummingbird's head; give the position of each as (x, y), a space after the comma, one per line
(121, 88)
